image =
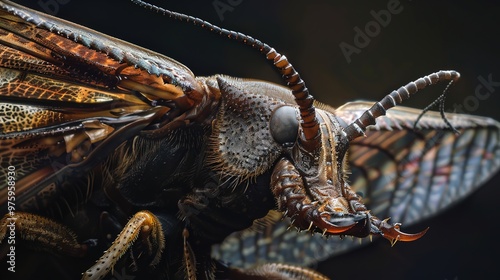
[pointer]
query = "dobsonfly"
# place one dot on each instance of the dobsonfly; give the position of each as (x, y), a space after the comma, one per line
(188, 64)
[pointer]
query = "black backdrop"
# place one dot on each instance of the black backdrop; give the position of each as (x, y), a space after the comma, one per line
(421, 37)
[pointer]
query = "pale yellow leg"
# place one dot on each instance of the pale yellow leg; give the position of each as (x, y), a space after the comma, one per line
(143, 224)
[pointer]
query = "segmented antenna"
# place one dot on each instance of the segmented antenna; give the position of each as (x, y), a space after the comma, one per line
(292, 78)
(358, 127)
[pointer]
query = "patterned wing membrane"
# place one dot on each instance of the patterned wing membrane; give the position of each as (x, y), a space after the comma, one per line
(47, 144)
(85, 55)
(411, 174)
(403, 173)
(69, 96)
(48, 124)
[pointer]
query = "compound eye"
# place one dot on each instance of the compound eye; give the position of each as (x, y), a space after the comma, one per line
(284, 125)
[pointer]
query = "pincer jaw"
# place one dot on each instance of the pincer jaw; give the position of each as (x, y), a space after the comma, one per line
(363, 224)
(314, 218)
(334, 215)
(345, 224)
(359, 224)
(392, 232)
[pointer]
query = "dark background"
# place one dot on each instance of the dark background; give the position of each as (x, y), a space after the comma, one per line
(424, 37)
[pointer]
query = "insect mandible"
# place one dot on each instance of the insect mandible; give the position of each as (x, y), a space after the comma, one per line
(193, 204)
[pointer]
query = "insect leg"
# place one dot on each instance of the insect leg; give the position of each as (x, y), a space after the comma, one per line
(46, 234)
(143, 225)
(188, 258)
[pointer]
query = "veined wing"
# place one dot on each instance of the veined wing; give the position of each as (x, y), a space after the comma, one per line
(70, 95)
(410, 175)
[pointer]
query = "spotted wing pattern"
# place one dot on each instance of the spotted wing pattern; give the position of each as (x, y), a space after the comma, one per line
(70, 95)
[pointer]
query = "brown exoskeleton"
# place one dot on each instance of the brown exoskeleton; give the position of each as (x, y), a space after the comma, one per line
(127, 132)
